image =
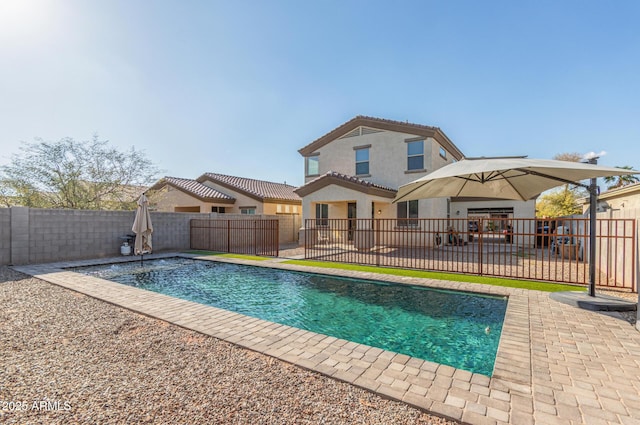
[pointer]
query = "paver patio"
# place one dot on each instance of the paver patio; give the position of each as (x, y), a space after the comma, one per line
(555, 364)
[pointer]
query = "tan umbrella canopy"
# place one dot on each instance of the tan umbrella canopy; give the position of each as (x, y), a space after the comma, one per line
(504, 178)
(517, 178)
(142, 227)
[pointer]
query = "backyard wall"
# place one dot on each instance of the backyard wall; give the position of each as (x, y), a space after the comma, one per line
(30, 235)
(5, 236)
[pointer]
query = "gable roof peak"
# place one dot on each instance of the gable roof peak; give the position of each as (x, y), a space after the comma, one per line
(383, 124)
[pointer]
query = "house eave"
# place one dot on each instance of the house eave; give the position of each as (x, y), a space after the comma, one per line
(325, 181)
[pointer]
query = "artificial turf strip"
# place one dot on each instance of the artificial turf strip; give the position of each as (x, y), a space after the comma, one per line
(229, 255)
(496, 281)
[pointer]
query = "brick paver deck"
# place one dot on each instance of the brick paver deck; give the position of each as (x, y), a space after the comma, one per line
(555, 364)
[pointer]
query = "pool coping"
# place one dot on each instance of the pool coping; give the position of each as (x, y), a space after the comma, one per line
(505, 397)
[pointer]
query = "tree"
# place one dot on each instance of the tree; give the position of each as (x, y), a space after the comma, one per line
(614, 182)
(71, 174)
(559, 203)
(563, 201)
(569, 156)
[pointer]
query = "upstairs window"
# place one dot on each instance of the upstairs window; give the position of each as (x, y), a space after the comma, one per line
(219, 210)
(362, 161)
(248, 210)
(415, 155)
(313, 165)
(408, 214)
(443, 152)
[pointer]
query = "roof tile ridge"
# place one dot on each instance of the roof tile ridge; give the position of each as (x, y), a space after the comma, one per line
(249, 178)
(430, 127)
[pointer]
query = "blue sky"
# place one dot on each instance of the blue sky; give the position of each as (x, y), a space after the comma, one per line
(237, 87)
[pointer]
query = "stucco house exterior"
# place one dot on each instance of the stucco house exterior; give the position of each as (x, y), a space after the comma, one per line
(354, 171)
(620, 202)
(224, 194)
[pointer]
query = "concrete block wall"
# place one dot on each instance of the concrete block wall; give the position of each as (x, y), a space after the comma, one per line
(30, 235)
(5, 236)
(57, 235)
(171, 230)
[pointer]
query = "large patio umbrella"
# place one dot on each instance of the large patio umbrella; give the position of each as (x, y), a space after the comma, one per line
(506, 178)
(517, 178)
(142, 227)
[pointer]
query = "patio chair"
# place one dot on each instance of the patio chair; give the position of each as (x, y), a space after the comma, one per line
(324, 235)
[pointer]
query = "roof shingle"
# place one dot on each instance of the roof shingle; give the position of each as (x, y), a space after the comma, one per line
(194, 188)
(355, 183)
(258, 189)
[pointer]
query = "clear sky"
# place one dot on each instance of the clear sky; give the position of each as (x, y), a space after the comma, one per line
(238, 86)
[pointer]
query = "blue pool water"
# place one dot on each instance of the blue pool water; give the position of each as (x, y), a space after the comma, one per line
(448, 327)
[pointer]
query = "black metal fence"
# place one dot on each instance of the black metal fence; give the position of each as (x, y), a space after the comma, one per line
(255, 237)
(551, 250)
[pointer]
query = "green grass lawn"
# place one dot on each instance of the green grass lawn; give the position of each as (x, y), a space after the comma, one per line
(228, 255)
(496, 281)
(485, 280)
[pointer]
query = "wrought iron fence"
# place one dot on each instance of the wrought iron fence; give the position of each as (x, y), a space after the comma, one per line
(551, 250)
(256, 237)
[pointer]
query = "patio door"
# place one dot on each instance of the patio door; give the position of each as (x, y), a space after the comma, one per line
(351, 215)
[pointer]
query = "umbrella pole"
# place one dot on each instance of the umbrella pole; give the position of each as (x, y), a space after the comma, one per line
(593, 199)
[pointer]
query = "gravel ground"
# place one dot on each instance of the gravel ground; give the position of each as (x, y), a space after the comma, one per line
(68, 358)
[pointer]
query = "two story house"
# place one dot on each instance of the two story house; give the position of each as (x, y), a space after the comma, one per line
(354, 171)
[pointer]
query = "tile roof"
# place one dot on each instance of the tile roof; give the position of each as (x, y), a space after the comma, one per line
(355, 183)
(383, 124)
(194, 188)
(258, 189)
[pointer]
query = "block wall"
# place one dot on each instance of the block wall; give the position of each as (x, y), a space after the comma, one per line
(30, 235)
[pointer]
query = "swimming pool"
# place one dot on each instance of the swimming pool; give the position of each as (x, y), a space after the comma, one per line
(453, 328)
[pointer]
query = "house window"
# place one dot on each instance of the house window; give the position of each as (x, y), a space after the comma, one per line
(362, 161)
(322, 214)
(219, 210)
(313, 165)
(248, 210)
(443, 152)
(406, 212)
(415, 155)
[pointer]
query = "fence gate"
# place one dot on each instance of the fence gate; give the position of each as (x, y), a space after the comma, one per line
(254, 237)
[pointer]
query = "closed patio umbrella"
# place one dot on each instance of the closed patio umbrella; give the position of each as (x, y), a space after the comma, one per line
(142, 227)
(517, 178)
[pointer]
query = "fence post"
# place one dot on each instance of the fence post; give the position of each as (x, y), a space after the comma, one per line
(376, 226)
(480, 248)
(255, 237)
(228, 235)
